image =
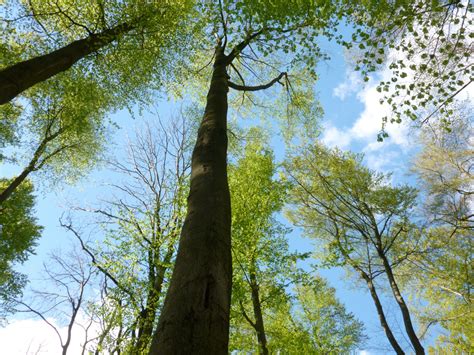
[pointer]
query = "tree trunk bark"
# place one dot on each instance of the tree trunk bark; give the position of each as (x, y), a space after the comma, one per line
(17, 78)
(5, 194)
(381, 314)
(402, 305)
(195, 315)
(257, 311)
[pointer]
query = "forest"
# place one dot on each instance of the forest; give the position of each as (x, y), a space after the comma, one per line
(236, 177)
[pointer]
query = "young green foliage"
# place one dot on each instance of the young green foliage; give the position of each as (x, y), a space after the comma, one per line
(263, 263)
(139, 229)
(427, 46)
(124, 45)
(276, 306)
(361, 221)
(18, 234)
(443, 276)
(327, 326)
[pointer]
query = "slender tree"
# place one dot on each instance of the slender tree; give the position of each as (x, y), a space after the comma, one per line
(364, 222)
(263, 264)
(442, 277)
(70, 277)
(140, 227)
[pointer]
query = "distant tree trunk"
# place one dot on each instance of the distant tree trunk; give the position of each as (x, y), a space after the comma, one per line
(32, 166)
(402, 305)
(381, 314)
(195, 315)
(147, 319)
(378, 305)
(21, 76)
(257, 312)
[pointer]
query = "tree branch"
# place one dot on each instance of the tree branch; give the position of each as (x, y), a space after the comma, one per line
(241, 46)
(258, 87)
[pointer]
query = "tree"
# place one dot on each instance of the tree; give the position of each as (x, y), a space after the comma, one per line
(442, 277)
(140, 227)
(69, 35)
(263, 263)
(18, 234)
(286, 309)
(362, 222)
(201, 283)
(68, 278)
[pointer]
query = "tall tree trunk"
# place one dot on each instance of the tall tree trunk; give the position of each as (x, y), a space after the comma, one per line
(17, 78)
(381, 314)
(257, 312)
(402, 305)
(195, 315)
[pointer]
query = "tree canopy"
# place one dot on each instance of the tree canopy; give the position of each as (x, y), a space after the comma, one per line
(165, 266)
(19, 232)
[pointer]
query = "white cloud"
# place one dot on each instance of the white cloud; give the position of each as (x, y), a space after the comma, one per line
(369, 123)
(349, 86)
(333, 137)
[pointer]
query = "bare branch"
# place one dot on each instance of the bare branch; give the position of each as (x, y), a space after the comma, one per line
(258, 87)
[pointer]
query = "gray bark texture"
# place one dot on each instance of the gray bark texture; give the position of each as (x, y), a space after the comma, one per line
(195, 314)
(21, 76)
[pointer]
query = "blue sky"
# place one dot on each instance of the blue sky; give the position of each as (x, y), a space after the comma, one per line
(352, 120)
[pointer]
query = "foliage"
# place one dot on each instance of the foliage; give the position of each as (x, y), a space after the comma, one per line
(70, 108)
(9, 115)
(139, 232)
(263, 263)
(427, 46)
(126, 69)
(443, 275)
(444, 170)
(18, 234)
(329, 328)
(443, 287)
(306, 320)
(344, 205)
